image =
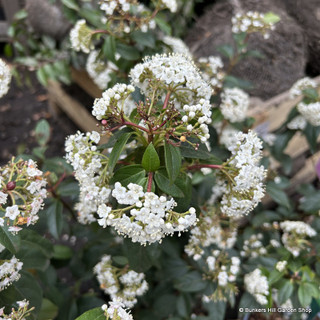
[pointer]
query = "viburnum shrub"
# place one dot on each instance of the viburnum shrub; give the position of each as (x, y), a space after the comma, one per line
(165, 220)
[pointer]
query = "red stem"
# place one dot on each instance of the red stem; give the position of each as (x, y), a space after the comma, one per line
(150, 178)
(166, 100)
(128, 123)
(199, 166)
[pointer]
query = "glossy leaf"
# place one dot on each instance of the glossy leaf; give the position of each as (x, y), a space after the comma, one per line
(8, 240)
(164, 184)
(117, 150)
(150, 160)
(129, 174)
(172, 161)
(94, 314)
(55, 218)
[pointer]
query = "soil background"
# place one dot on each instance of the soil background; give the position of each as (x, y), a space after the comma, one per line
(20, 109)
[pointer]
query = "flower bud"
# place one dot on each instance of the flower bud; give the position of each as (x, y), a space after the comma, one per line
(11, 185)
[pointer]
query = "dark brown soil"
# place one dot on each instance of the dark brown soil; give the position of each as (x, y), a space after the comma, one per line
(20, 110)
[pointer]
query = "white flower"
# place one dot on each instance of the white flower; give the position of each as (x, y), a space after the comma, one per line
(222, 278)
(80, 37)
(257, 285)
(311, 112)
(170, 4)
(9, 272)
(281, 265)
(99, 70)
(234, 104)
(177, 45)
(116, 311)
(12, 212)
(297, 123)
(3, 197)
(5, 78)
(250, 22)
(302, 84)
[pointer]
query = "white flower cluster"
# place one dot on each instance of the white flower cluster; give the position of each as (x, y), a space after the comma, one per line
(207, 232)
(89, 171)
(297, 123)
(170, 4)
(281, 265)
(9, 272)
(177, 45)
(294, 232)
(213, 73)
(251, 22)
(5, 78)
(122, 284)
(253, 247)
(109, 6)
(122, 10)
(234, 104)
(175, 72)
(200, 112)
(98, 70)
(113, 101)
(150, 217)
(80, 37)
(228, 136)
(257, 285)
(25, 194)
(246, 189)
(223, 270)
(116, 311)
(16, 314)
(311, 112)
(302, 84)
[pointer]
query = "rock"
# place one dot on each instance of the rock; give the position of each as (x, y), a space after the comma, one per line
(285, 51)
(47, 19)
(307, 14)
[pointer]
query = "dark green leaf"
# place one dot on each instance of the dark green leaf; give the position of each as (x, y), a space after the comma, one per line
(190, 282)
(141, 258)
(312, 134)
(29, 289)
(305, 294)
(132, 173)
(55, 218)
(8, 240)
(61, 252)
(68, 188)
(168, 300)
(163, 25)
(120, 260)
(109, 48)
(285, 292)
(94, 314)
(71, 4)
(188, 151)
(172, 160)
(164, 184)
(48, 310)
(117, 149)
(150, 159)
(278, 195)
(310, 203)
(144, 38)
(226, 50)
(42, 132)
(217, 309)
(128, 52)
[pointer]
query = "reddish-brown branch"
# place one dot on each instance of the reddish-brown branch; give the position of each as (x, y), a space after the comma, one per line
(166, 100)
(150, 178)
(128, 123)
(199, 166)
